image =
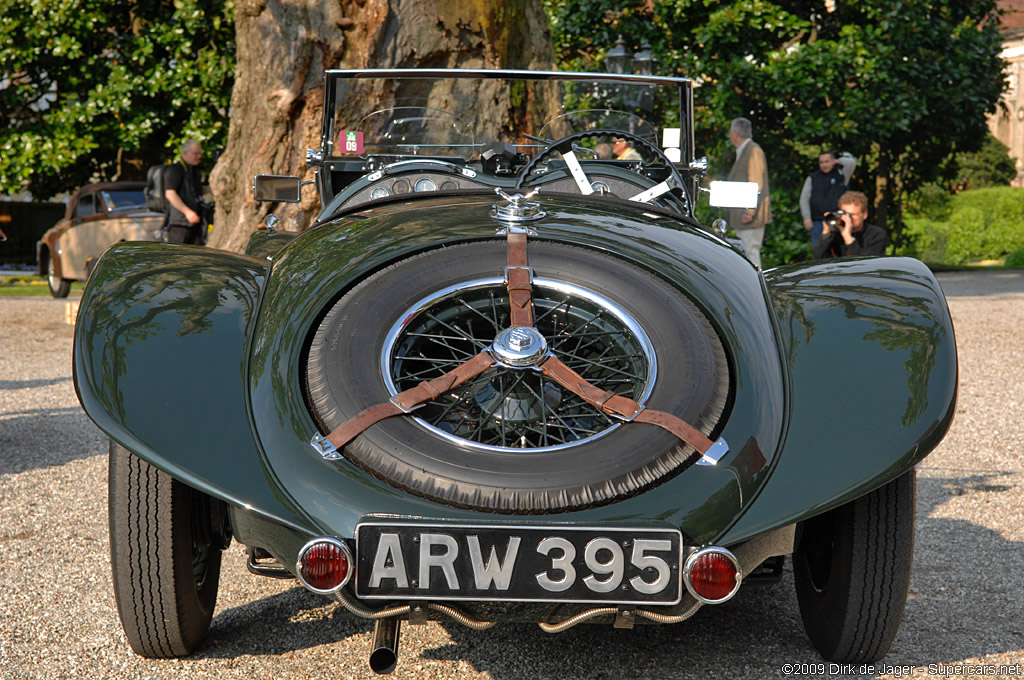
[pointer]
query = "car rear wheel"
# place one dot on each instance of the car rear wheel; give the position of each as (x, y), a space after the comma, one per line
(852, 572)
(59, 287)
(165, 559)
(512, 439)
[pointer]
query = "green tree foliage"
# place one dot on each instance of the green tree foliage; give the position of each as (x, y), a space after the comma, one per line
(899, 83)
(101, 89)
(990, 166)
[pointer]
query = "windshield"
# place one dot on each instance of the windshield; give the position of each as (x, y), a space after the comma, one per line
(458, 115)
(124, 199)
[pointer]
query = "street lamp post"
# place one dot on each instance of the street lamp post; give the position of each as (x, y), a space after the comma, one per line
(618, 58)
(621, 60)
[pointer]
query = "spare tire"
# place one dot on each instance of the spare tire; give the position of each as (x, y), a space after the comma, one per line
(512, 440)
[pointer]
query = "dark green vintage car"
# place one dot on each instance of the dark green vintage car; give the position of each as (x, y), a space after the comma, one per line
(508, 376)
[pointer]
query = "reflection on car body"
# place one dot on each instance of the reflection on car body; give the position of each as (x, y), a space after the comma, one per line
(503, 378)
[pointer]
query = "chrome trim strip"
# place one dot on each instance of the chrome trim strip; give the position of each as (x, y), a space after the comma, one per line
(502, 73)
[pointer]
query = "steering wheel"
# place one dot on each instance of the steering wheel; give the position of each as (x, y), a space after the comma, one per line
(650, 193)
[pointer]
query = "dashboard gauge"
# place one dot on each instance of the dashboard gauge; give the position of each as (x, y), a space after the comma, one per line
(401, 186)
(425, 184)
(379, 192)
(449, 185)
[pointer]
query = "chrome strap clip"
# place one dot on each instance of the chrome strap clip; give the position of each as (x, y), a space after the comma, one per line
(324, 447)
(715, 453)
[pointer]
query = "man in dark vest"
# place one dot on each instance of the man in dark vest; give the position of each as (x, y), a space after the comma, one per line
(823, 188)
(183, 188)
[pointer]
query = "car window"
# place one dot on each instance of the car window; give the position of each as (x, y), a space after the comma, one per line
(124, 200)
(86, 206)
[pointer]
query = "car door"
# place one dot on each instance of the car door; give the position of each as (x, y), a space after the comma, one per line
(90, 233)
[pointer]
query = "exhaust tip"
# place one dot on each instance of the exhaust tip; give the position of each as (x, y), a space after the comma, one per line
(712, 575)
(383, 661)
(324, 565)
(384, 645)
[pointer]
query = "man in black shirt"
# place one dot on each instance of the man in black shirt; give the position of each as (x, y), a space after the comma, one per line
(852, 236)
(183, 188)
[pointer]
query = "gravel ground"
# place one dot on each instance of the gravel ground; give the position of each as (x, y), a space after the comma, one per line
(964, 617)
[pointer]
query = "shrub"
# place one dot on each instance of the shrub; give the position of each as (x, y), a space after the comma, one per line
(983, 224)
(1016, 259)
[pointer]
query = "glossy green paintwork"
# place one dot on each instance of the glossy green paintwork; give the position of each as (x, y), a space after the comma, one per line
(319, 267)
(266, 245)
(160, 362)
(873, 376)
(194, 360)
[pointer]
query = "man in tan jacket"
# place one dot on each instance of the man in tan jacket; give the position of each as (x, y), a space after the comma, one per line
(750, 166)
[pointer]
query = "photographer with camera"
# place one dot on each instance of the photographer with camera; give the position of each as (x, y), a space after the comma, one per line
(844, 233)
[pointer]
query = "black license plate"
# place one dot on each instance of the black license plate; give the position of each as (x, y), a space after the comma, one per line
(397, 560)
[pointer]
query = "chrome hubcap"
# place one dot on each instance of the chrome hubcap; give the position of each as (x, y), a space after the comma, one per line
(519, 347)
(512, 406)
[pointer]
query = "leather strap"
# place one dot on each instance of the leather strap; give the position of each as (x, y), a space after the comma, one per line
(403, 402)
(520, 288)
(520, 291)
(615, 404)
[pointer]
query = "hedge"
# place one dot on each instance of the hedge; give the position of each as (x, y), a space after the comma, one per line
(981, 224)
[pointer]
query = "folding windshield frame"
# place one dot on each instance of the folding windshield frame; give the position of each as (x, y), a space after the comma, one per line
(683, 85)
(332, 78)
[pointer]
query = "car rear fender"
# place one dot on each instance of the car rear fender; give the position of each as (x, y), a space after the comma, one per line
(160, 356)
(872, 376)
(322, 264)
(46, 249)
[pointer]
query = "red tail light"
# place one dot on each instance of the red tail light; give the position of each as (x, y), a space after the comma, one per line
(324, 565)
(712, 575)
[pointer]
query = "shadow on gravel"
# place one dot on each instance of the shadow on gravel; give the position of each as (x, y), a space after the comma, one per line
(981, 283)
(30, 384)
(964, 575)
(292, 620)
(46, 437)
(965, 589)
(742, 638)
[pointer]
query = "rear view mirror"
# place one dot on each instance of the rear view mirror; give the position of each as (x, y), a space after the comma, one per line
(283, 188)
(734, 194)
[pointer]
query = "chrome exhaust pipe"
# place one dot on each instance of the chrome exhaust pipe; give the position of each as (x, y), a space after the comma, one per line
(384, 645)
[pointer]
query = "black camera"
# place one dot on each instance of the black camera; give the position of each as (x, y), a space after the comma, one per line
(834, 220)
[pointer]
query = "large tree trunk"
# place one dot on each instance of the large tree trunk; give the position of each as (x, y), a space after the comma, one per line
(883, 185)
(284, 46)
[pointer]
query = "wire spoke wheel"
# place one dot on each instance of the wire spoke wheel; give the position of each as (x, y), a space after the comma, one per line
(512, 439)
(518, 407)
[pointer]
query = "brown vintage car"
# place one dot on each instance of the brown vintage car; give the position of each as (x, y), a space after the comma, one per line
(98, 216)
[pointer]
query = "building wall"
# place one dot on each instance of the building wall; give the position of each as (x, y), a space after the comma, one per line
(1007, 124)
